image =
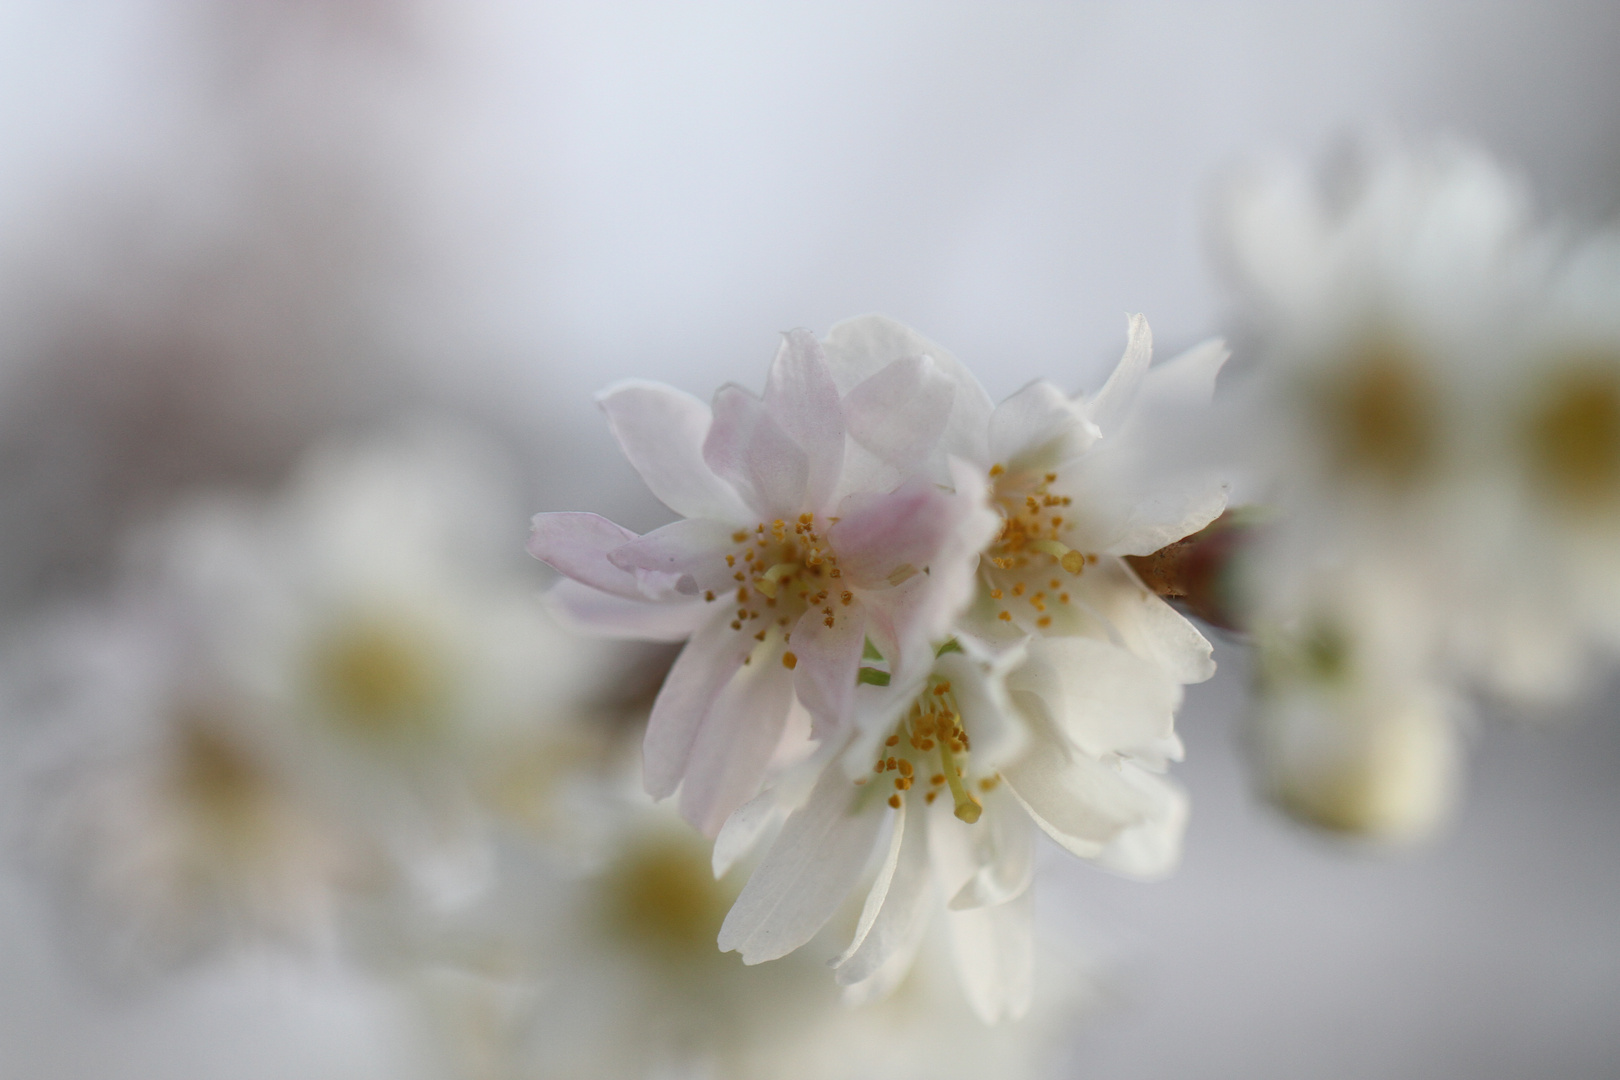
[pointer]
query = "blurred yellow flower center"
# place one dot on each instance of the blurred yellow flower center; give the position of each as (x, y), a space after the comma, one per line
(1573, 437)
(1381, 416)
(225, 790)
(381, 678)
(663, 895)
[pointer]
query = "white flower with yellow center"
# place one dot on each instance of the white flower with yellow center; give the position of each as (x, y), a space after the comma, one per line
(1065, 735)
(806, 532)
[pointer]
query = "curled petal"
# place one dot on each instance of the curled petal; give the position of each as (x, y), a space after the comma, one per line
(1148, 626)
(802, 399)
(1005, 842)
(816, 860)
(591, 611)
(1113, 403)
(578, 544)
(1150, 849)
(748, 448)
(898, 414)
(661, 431)
(702, 670)
(1081, 803)
(879, 538)
(1105, 699)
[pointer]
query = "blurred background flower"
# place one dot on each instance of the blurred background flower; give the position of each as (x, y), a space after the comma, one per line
(241, 242)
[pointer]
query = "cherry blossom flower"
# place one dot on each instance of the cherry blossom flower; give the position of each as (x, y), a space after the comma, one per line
(806, 531)
(1064, 735)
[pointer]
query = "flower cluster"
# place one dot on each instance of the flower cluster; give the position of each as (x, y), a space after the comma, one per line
(939, 585)
(1434, 413)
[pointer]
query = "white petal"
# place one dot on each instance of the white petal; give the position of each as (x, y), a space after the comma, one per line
(661, 431)
(827, 659)
(899, 413)
(749, 449)
(1113, 403)
(1151, 849)
(578, 544)
(744, 829)
(801, 398)
(1081, 803)
(702, 670)
(583, 609)
(736, 740)
(1187, 380)
(1038, 427)
(880, 536)
(1106, 700)
(694, 550)
(896, 909)
(994, 949)
(1148, 626)
(858, 348)
(1005, 838)
(813, 865)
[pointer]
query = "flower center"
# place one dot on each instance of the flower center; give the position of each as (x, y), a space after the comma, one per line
(1029, 559)
(931, 742)
(380, 677)
(782, 572)
(1574, 437)
(1381, 416)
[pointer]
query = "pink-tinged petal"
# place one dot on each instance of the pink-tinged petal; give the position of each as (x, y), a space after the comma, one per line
(692, 552)
(661, 431)
(1113, 403)
(735, 742)
(804, 877)
(859, 348)
(700, 673)
(578, 544)
(801, 398)
(590, 611)
(898, 414)
(884, 539)
(994, 948)
(1104, 698)
(1037, 428)
(827, 658)
(1150, 850)
(896, 908)
(748, 448)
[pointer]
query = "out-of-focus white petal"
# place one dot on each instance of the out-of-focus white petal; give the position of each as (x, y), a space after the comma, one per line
(994, 949)
(736, 740)
(1151, 849)
(578, 544)
(748, 448)
(708, 662)
(896, 909)
(815, 861)
(801, 398)
(590, 611)
(662, 431)
(898, 413)
(827, 659)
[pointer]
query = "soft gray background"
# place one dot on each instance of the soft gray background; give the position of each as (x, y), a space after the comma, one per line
(587, 191)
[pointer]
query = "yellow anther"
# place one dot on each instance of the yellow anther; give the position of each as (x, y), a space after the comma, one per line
(789, 661)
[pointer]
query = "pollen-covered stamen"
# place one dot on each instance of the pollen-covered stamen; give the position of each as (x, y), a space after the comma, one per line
(1033, 541)
(789, 569)
(931, 740)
